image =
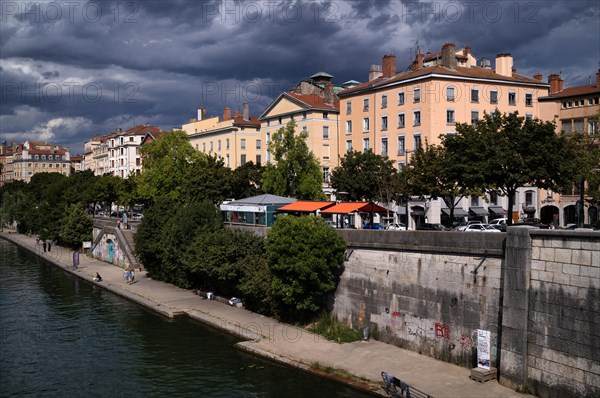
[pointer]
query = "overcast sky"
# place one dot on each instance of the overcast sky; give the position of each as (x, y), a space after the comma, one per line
(71, 69)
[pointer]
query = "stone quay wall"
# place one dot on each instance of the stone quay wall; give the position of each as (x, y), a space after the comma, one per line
(536, 291)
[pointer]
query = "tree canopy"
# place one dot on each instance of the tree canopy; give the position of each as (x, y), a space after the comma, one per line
(296, 171)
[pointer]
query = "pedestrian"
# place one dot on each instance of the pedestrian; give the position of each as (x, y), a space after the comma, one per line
(119, 223)
(44, 245)
(98, 278)
(49, 246)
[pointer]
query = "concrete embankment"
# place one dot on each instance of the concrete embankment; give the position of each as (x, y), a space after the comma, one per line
(278, 341)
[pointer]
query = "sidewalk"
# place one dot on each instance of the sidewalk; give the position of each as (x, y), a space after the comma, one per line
(270, 338)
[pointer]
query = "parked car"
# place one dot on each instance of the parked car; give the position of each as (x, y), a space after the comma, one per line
(480, 228)
(465, 224)
(498, 221)
(431, 227)
(397, 226)
(372, 226)
(137, 216)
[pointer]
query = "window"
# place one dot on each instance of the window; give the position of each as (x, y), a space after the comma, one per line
(474, 117)
(204, 147)
(493, 97)
(475, 201)
(211, 146)
(348, 145)
(450, 116)
(417, 138)
(366, 144)
(417, 95)
(401, 145)
(401, 98)
(279, 120)
(258, 144)
(37, 157)
(227, 143)
(528, 116)
(474, 95)
(528, 99)
(566, 126)
(50, 157)
(326, 152)
(243, 160)
(401, 120)
(219, 145)
(450, 93)
(578, 125)
(258, 159)
(304, 129)
(325, 115)
(44, 165)
(304, 115)
(50, 165)
(130, 139)
(291, 118)
(365, 104)
(417, 118)
(348, 108)
(348, 126)
(493, 199)
(512, 98)
(384, 123)
(268, 122)
(592, 127)
(325, 132)
(366, 124)
(43, 157)
(326, 178)
(384, 146)
(528, 198)
(28, 164)
(243, 143)
(227, 160)
(590, 101)
(383, 101)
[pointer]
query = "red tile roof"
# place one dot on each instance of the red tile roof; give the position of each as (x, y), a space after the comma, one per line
(238, 120)
(315, 101)
(460, 71)
(143, 129)
(576, 91)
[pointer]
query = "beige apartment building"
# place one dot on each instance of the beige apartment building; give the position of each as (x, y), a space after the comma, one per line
(31, 158)
(394, 113)
(234, 138)
(575, 110)
(314, 106)
(6, 162)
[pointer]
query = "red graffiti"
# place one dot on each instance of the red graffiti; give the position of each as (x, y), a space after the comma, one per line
(466, 341)
(442, 330)
(396, 313)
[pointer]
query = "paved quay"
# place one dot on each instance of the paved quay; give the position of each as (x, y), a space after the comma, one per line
(278, 341)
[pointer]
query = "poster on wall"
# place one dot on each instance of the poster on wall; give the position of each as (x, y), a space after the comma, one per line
(483, 349)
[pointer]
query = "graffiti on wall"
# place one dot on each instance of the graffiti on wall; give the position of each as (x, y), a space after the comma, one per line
(109, 250)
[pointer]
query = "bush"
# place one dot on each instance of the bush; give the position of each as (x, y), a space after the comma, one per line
(329, 327)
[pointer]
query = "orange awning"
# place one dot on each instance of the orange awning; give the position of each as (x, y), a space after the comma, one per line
(305, 206)
(351, 207)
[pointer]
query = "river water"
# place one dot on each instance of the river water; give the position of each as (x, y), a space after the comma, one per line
(61, 336)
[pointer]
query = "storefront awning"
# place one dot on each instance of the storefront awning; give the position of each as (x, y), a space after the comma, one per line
(417, 211)
(305, 206)
(496, 210)
(478, 211)
(351, 207)
(458, 212)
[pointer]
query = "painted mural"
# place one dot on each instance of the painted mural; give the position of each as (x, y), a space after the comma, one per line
(108, 249)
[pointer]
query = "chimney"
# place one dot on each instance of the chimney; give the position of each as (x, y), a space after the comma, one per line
(227, 113)
(201, 114)
(504, 64)
(389, 66)
(246, 111)
(556, 83)
(598, 77)
(329, 94)
(449, 55)
(193, 120)
(236, 114)
(419, 61)
(538, 76)
(467, 51)
(375, 72)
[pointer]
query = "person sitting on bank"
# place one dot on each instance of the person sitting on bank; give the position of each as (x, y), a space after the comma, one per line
(98, 278)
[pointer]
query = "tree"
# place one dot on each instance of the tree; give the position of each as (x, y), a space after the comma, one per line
(208, 179)
(76, 226)
(504, 152)
(305, 256)
(246, 181)
(167, 163)
(365, 176)
(296, 171)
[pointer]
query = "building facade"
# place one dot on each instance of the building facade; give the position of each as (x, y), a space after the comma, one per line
(31, 158)
(314, 106)
(6, 159)
(575, 110)
(394, 113)
(236, 139)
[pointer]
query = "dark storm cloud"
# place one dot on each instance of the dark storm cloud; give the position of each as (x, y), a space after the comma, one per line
(158, 61)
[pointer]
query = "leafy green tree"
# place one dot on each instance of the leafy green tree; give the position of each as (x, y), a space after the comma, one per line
(76, 226)
(365, 176)
(246, 181)
(208, 179)
(296, 171)
(504, 152)
(167, 164)
(305, 256)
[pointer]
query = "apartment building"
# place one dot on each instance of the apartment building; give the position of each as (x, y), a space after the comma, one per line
(31, 158)
(575, 110)
(394, 113)
(314, 106)
(234, 138)
(6, 159)
(118, 152)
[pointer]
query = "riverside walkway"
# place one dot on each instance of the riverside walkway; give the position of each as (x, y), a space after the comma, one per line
(278, 341)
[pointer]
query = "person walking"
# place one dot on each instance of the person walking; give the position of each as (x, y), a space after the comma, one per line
(49, 246)
(118, 223)
(44, 245)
